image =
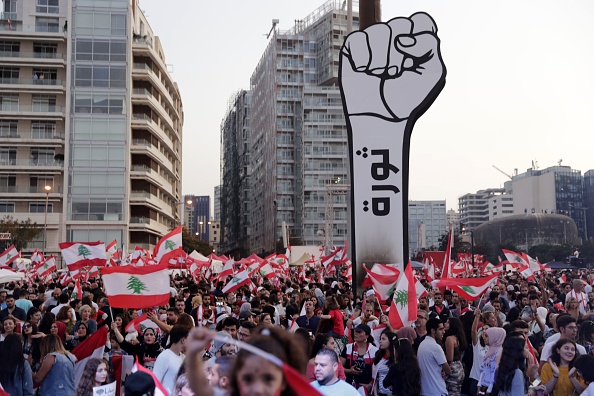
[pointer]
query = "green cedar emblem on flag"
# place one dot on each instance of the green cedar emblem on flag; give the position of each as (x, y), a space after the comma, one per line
(170, 245)
(401, 297)
(83, 251)
(8, 256)
(136, 285)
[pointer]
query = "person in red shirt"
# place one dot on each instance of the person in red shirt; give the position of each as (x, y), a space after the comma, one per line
(333, 312)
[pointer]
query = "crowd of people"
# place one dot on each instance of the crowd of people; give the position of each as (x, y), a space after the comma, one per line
(520, 338)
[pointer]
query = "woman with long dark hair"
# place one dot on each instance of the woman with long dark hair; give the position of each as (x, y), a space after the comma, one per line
(34, 316)
(31, 342)
(555, 372)
(46, 322)
(404, 376)
(509, 380)
(94, 374)
(455, 346)
(15, 371)
(322, 341)
(383, 360)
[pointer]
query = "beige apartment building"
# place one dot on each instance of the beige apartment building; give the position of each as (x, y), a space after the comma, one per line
(90, 123)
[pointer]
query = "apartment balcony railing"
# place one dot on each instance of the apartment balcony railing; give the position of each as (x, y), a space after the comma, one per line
(31, 81)
(28, 190)
(37, 55)
(11, 108)
(30, 162)
(140, 220)
(31, 135)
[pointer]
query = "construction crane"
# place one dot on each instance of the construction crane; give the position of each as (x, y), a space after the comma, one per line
(506, 174)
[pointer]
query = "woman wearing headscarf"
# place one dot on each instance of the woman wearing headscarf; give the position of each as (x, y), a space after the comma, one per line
(494, 338)
(407, 332)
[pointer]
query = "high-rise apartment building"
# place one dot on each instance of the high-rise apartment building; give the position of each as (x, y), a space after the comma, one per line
(216, 214)
(588, 205)
(91, 121)
(474, 208)
(556, 189)
(297, 136)
(427, 222)
(197, 216)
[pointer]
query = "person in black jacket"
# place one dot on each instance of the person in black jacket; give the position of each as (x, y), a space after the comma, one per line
(147, 350)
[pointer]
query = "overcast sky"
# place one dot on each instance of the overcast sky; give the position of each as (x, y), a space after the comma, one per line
(519, 84)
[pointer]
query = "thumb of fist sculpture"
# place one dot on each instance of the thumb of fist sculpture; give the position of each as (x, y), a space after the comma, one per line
(392, 70)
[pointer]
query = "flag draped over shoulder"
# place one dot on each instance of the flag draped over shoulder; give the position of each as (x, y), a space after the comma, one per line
(138, 287)
(83, 254)
(468, 288)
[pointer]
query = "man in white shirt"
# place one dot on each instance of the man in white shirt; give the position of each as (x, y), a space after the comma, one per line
(432, 361)
(579, 295)
(64, 302)
(170, 360)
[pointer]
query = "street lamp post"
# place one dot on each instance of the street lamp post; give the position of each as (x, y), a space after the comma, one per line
(47, 191)
(200, 223)
(188, 202)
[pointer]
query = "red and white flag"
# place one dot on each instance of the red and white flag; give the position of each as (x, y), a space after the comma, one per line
(515, 259)
(92, 347)
(140, 324)
(138, 287)
(168, 246)
(266, 271)
(348, 273)
(8, 256)
(240, 279)
(446, 269)
(76, 292)
(468, 288)
(403, 311)
(83, 254)
(112, 248)
(227, 270)
(383, 278)
(37, 257)
(47, 267)
(490, 268)
(429, 269)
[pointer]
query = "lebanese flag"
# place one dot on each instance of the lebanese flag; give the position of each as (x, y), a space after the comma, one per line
(515, 259)
(140, 324)
(383, 278)
(76, 292)
(159, 388)
(112, 248)
(92, 347)
(252, 268)
(83, 254)
(47, 267)
(534, 265)
(446, 271)
(403, 311)
(266, 271)
(37, 257)
(468, 288)
(348, 273)
(240, 279)
(459, 268)
(168, 245)
(429, 269)
(420, 289)
(227, 270)
(490, 268)
(138, 287)
(8, 256)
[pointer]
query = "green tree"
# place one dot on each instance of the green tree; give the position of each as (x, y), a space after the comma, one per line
(459, 245)
(191, 243)
(21, 232)
(136, 285)
(83, 251)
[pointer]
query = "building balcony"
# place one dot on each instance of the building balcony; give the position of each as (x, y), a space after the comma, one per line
(144, 172)
(28, 190)
(12, 164)
(146, 198)
(144, 72)
(33, 111)
(33, 58)
(33, 137)
(39, 218)
(29, 84)
(146, 223)
(141, 146)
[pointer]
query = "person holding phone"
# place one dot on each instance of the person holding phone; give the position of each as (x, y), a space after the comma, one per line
(357, 358)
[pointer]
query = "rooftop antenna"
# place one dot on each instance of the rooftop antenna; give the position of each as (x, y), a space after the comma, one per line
(561, 160)
(274, 23)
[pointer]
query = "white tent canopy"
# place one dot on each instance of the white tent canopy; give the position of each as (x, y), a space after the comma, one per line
(7, 276)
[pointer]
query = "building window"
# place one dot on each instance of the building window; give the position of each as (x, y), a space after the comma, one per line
(44, 102)
(45, 50)
(7, 183)
(8, 128)
(50, 25)
(8, 156)
(9, 48)
(42, 156)
(39, 207)
(37, 183)
(6, 207)
(43, 129)
(48, 6)
(8, 75)
(9, 102)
